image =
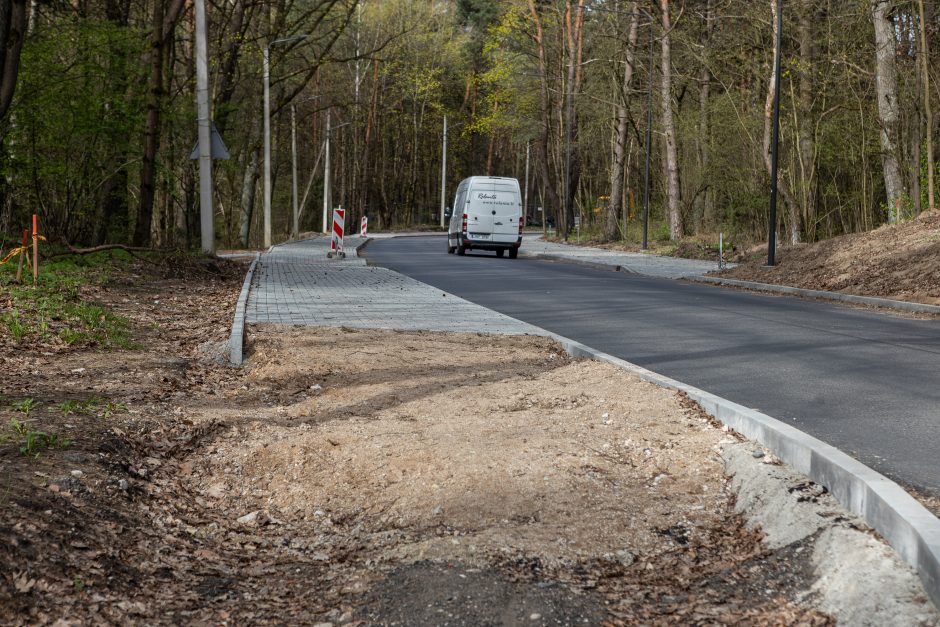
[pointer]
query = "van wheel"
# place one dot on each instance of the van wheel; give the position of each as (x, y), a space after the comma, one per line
(499, 253)
(513, 253)
(461, 250)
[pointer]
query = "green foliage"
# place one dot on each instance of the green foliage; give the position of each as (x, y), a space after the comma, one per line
(54, 310)
(25, 406)
(78, 118)
(32, 442)
(95, 406)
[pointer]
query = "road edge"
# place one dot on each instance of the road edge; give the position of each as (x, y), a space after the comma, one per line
(237, 338)
(904, 523)
(578, 262)
(872, 301)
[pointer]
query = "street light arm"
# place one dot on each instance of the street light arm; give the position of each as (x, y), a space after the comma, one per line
(287, 40)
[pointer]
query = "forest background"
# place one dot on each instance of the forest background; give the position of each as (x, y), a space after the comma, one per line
(97, 113)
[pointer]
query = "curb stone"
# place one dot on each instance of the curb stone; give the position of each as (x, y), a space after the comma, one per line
(237, 336)
(822, 294)
(906, 524)
(237, 339)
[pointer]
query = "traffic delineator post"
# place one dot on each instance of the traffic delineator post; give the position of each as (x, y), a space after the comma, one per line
(364, 228)
(336, 242)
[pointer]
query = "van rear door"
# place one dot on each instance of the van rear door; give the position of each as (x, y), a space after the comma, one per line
(508, 211)
(479, 212)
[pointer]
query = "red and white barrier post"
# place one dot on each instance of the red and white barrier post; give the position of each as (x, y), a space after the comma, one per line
(336, 244)
(364, 227)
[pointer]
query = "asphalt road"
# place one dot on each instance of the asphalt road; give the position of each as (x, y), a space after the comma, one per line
(864, 381)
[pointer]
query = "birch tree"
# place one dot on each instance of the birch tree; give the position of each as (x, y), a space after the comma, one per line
(886, 89)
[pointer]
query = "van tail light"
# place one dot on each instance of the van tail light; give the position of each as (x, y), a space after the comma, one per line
(521, 223)
(464, 223)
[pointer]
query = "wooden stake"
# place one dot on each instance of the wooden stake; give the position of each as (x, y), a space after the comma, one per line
(35, 252)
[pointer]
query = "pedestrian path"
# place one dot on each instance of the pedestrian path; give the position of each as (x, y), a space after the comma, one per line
(297, 284)
(640, 263)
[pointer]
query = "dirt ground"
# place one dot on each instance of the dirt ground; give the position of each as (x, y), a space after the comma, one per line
(364, 477)
(899, 261)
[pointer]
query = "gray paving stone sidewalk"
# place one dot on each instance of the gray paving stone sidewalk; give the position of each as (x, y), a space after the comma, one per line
(296, 284)
(649, 265)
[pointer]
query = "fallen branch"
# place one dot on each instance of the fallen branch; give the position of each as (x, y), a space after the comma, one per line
(95, 249)
(133, 250)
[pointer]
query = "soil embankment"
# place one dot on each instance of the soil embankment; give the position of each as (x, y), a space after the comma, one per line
(899, 261)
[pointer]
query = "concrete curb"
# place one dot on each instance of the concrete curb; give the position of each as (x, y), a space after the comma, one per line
(237, 338)
(906, 524)
(837, 296)
(579, 262)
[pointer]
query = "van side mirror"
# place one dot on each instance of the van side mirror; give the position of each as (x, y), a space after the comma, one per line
(448, 213)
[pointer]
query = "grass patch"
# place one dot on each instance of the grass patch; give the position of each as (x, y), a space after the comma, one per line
(54, 312)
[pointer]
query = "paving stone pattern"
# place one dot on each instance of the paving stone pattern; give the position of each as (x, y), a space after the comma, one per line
(297, 284)
(649, 265)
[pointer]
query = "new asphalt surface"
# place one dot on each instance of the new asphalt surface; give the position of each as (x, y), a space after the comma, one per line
(867, 382)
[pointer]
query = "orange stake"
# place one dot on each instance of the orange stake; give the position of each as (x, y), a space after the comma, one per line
(19, 269)
(35, 251)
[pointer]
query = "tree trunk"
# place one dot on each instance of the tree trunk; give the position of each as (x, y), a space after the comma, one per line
(164, 24)
(541, 143)
(611, 224)
(702, 208)
(13, 23)
(574, 26)
(793, 214)
(807, 121)
(674, 193)
(928, 111)
(886, 87)
(152, 131)
(249, 184)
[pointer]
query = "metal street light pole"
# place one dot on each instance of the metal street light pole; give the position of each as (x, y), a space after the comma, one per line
(525, 193)
(649, 141)
(267, 148)
(326, 173)
(266, 58)
(206, 212)
(295, 224)
(774, 139)
(444, 172)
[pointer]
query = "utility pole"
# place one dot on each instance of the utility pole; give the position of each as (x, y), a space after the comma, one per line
(649, 142)
(206, 213)
(525, 193)
(267, 145)
(326, 174)
(295, 225)
(774, 138)
(444, 172)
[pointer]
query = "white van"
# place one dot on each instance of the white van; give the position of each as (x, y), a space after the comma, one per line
(487, 215)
